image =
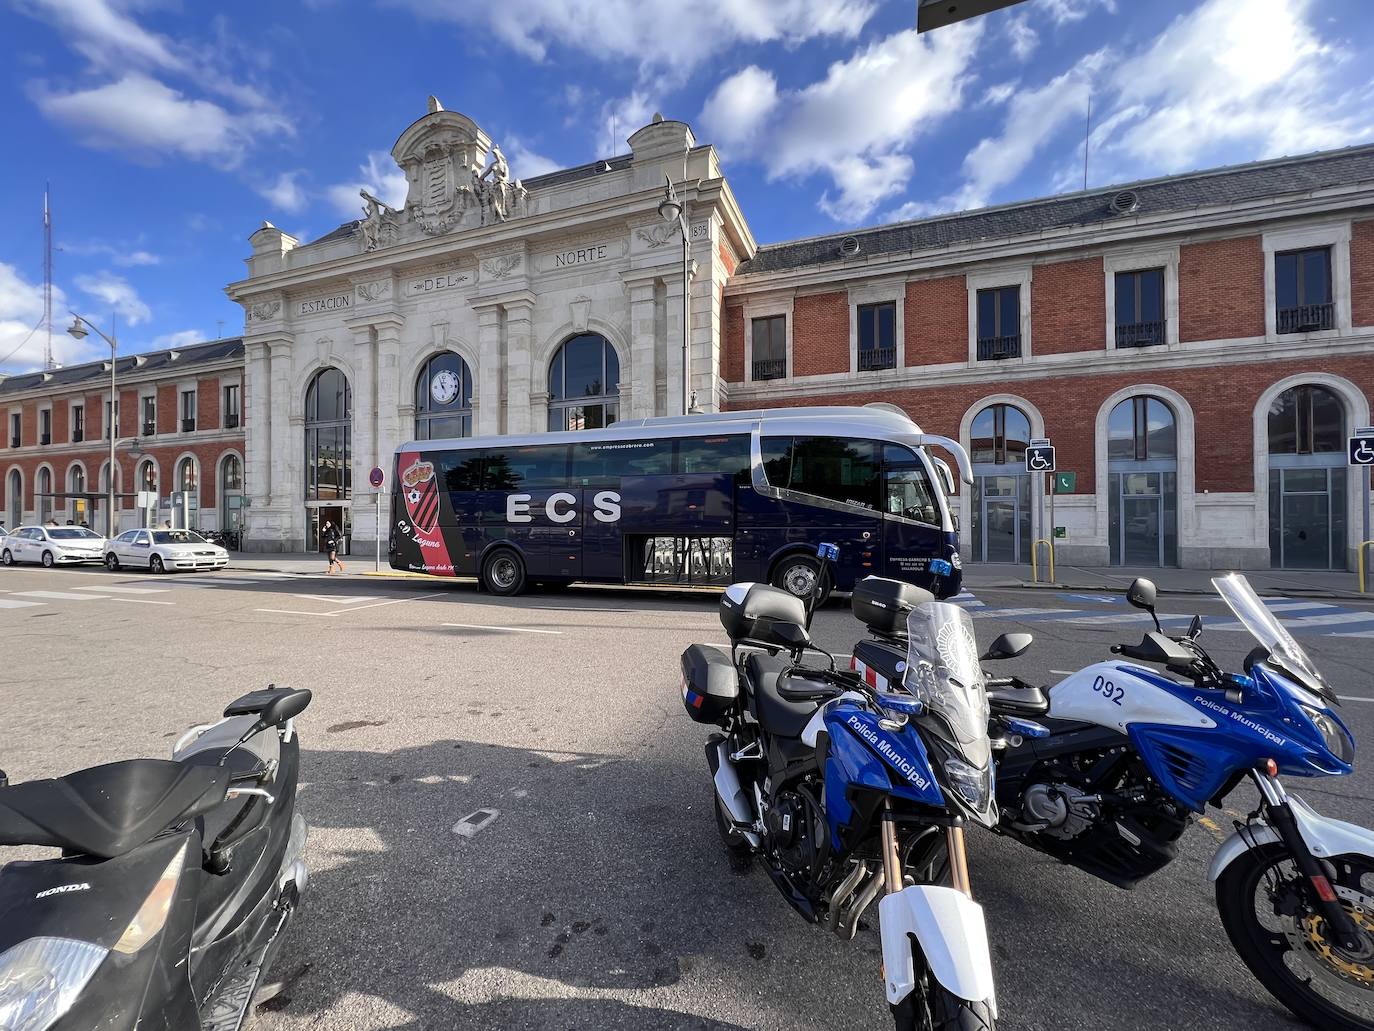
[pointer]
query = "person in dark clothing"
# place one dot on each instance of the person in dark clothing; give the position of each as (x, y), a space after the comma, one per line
(331, 536)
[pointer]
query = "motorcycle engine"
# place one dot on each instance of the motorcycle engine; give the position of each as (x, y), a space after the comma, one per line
(1057, 810)
(792, 832)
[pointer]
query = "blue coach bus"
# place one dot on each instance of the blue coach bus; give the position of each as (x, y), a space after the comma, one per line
(702, 499)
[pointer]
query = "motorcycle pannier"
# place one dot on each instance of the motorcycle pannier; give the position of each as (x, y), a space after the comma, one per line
(709, 683)
(747, 611)
(883, 605)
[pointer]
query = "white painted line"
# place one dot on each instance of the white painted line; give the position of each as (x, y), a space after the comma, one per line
(1347, 698)
(511, 629)
(1319, 621)
(294, 612)
(126, 590)
(393, 601)
(1009, 613)
(1062, 672)
(329, 599)
(8, 603)
(57, 595)
(142, 601)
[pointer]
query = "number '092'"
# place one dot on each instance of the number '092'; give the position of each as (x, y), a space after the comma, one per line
(1108, 690)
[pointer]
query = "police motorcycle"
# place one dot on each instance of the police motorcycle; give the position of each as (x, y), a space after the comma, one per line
(847, 795)
(1106, 770)
(174, 884)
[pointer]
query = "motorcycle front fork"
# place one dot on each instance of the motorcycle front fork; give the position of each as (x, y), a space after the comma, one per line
(1323, 897)
(892, 855)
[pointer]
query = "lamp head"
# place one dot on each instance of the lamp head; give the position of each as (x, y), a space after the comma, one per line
(669, 209)
(77, 329)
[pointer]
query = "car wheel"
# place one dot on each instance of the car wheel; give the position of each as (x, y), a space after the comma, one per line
(155, 564)
(503, 573)
(47, 560)
(7, 558)
(112, 562)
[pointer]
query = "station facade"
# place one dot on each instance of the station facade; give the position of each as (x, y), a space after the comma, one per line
(1196, 347)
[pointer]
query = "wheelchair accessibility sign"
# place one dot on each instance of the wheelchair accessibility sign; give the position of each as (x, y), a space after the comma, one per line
(1361, 450)
(1040, 458)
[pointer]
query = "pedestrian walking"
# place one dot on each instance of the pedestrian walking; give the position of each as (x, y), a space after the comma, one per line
(329, 533)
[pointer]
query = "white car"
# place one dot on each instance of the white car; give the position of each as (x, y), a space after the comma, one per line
(161, 550)
(52, 545)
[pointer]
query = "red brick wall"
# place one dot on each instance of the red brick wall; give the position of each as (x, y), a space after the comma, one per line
(732, 347)
(129, 415)
(1220, 289)
(1222, 398)
(820, 334)
(936, 321)
(95, 416)
(60, 414)
(1068, 307)
(168, 414)
(29, 424)
(727, 258)
(207, 404)
(1362, 273)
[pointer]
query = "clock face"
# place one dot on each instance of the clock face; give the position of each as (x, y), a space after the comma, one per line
(443, 387)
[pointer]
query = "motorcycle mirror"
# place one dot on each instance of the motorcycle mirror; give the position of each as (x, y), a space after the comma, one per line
(284, 708)
(1007, 646)
(1141, 594)
(1195, 627)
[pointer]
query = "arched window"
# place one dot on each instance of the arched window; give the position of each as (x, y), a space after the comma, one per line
(328, 437)
(77, 505)
(443, 398)
(44, 494)
(186, 475)
(14, 499)
(231, 474)
(1142, 483)
(231, 494)
(1307, 479)
(1001, 502)
(584, 384)
(147, 476)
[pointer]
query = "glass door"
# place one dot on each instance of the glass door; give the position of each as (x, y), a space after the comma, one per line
(1001, 515)
(1307, 518)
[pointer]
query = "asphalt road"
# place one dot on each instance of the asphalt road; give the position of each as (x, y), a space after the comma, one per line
(599, 896)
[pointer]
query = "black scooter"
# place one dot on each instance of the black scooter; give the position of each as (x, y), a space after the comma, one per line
(176, 880)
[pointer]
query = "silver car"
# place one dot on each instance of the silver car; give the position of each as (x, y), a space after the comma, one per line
(163, 550)
(52, 546)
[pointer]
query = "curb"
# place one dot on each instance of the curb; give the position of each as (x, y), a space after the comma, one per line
(1097, 588)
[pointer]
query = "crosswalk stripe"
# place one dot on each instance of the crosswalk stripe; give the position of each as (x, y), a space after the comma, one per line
(11, 603)
(125, 590)
(57, 595)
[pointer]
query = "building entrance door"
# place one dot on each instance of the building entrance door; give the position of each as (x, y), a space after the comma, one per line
(1307, 518)
(1001, 517)
(317, 515)
(999, 529)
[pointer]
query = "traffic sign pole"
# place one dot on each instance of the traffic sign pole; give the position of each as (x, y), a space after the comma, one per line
(377, 477)
(1040, 460)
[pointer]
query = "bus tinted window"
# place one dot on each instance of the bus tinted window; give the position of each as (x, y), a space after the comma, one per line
(909, 492)
(714, 455)
(604, 462)
(525, 468)
(462, 470)
(828, 467)
(777, 460)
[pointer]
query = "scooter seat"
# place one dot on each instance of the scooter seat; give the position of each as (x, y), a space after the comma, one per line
(109, 810)
(776, 714)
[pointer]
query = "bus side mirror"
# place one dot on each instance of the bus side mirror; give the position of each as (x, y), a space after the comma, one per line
(946, 476)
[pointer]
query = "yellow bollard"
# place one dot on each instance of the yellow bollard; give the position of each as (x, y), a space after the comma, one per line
(1035, 554)
(1361, 562)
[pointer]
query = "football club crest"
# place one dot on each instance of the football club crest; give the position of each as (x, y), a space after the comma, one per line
(421, 496)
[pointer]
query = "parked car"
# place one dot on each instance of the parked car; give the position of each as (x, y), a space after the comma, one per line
(161, 550)
(52, 545)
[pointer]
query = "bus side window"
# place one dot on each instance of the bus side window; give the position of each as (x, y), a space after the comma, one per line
(596, 465)
(717, 456)
(777, 460)
(462, 471)
(908, 489)
(526, 468)
(841, 470)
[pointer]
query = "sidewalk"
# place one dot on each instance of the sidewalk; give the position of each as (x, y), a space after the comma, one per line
(1291, 582)
(310, 562)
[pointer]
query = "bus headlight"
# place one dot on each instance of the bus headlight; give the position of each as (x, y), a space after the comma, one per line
(41, 978)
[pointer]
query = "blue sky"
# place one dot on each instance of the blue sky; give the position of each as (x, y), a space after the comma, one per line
(170, 129)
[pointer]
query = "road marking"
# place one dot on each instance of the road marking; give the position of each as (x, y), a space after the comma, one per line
(331, 599)
(126, 590)
(9, 603)
(1349, 698)
(1062, 672)
(393, 601)
(142, 601)
(512, 629)
(294, 612)
(57, 595)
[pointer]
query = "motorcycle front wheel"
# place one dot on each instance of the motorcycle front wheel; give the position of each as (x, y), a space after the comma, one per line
(1262, 902)
(936, 1009)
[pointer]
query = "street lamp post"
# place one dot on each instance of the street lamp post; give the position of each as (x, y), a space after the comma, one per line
(670, 209)
(78, 330)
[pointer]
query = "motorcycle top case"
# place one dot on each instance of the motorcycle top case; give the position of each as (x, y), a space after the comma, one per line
(710, 684)
(883, 605)
(748, 611)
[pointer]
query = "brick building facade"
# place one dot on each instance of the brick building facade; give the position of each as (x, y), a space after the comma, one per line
(180, 428)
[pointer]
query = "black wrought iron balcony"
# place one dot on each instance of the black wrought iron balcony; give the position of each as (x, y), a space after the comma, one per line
(770, 368)
(78, 436)
(874, 358)
(997, 348)
(149, 428)
(188, 425)
(45, 438)
(1139, 334)
(1307, 318)
(14, 442)
(231, 422)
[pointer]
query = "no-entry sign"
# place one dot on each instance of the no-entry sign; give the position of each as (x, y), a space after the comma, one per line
(376, 477)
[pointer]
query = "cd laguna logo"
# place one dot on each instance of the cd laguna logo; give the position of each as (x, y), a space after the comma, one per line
(885, 749)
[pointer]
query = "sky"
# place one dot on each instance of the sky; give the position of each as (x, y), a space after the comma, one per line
(170, 129)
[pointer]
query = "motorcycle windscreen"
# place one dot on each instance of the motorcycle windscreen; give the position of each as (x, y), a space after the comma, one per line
(943, 671)
(1242, 600)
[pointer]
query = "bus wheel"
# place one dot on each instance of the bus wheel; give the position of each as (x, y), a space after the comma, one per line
(503, 573)
(796, 574)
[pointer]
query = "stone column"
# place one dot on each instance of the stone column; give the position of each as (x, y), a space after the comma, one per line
(488, 408)
(520, 365)
(539, 410)
(673, 351)
(283, 497)
(637, 391)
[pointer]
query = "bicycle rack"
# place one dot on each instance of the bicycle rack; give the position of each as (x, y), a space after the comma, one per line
(1035, 554)
(1361, 562)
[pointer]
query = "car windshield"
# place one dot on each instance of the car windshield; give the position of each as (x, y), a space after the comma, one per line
(943, 671)
(72, 533)
(177, 537)
(1241, 598)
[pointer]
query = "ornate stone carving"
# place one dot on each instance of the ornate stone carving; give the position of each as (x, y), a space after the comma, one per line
(378, 220)
(263, 311)
(369, 292)
(501, 267)
(578, 309)
(656, 235)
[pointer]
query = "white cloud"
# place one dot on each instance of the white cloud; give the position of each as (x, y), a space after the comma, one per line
(116, 292)
(285, 192)
(21, 342)
(123, 254)
(1021, 36)
(622, 116)
(735, 112)
(380, 176)
(144, 116)
(1062, 12)
(998, 93)
(653, 33)
(181, 338)
(108, 38)
(134, 258)
(525, 163)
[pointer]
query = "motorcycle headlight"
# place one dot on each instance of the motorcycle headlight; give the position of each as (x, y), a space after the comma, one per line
(972, 784)
(1334, 736)
(41, 978)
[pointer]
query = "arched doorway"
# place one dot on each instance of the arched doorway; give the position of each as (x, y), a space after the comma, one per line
(328, 454)
(43, 499)
(443, 398)
(1142, 483)
(14, 500)
(584, 384)
(231, 495)
(1001, 502)
(1307, 479)
(186, 481)
(78, 506)
(146, 480)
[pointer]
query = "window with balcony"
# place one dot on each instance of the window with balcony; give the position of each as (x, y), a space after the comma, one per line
(14, 429)
(769, 357)
(1302, 291)
(149, 426)
(45, 426)
(78, 423)
(1140, 308)
(188, 411)
(231, 407)
(110, 422)
(999, 323)
(877, 336)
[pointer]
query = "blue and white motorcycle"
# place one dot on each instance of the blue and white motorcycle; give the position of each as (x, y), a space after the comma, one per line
(846, 794)
(1107, 772)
